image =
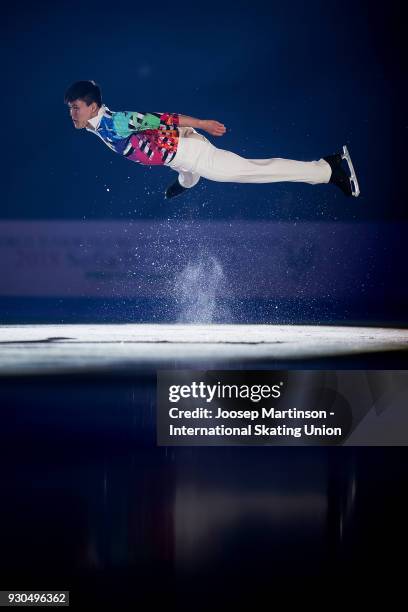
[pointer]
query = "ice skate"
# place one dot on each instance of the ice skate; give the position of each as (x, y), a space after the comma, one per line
(346, 182)
(174, 190)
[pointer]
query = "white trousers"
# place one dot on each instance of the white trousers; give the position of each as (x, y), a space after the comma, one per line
(196, 156)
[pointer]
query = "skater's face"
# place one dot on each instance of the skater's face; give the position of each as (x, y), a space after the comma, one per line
(81, 113)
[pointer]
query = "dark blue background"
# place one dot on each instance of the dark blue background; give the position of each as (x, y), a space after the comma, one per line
(296, 80)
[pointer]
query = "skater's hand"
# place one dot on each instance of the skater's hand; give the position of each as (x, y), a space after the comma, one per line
(215, 128)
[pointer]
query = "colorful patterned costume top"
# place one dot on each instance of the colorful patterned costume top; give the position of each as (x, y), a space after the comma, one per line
(146, 138)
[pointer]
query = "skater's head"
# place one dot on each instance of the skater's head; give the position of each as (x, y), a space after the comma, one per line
(84, 100)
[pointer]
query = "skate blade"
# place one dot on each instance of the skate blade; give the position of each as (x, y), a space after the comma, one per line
(355, 189)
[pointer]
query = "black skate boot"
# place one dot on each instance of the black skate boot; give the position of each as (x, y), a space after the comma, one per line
(339, 176)
(174, 190)
(346, 182)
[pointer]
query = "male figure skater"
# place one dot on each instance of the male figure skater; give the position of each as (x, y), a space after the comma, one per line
(170, 139)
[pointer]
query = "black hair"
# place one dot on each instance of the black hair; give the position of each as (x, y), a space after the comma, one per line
(88, 91)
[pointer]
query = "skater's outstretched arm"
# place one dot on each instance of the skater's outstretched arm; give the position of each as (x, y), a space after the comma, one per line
(127, 122)
(215, 128)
